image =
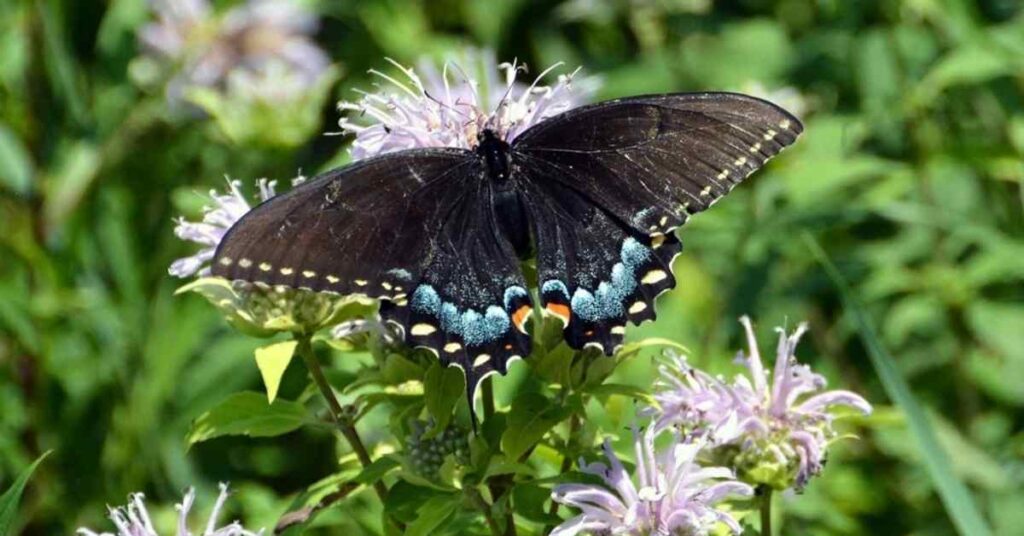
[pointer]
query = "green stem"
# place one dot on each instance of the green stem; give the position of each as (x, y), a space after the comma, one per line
(348, 429)
(485, 509)
(766, 511)
(488, 396)
(574, 426)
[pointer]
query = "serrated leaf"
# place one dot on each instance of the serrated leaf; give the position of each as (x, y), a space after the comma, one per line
(248, 414)
(432, 515)
(12, 497)
(442, 388)
(272, 361)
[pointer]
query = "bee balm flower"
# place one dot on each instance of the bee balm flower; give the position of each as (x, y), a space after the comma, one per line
(450, 107)
(673, 495)
(775, 430)
(133, 519)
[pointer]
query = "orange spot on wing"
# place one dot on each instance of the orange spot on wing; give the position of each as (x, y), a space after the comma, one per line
(559, 310)
(520, 316)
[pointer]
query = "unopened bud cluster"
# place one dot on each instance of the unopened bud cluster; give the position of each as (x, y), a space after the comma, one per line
(428, 454)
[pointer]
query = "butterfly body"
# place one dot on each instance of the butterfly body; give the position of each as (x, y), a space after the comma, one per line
(594, 194)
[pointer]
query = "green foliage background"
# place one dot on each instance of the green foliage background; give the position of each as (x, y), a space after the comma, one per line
(910, 174)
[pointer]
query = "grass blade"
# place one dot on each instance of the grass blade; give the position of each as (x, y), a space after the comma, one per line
(11, 498)
(953, 493)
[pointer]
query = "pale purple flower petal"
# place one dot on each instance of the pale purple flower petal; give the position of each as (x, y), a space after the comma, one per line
(781, 420)
(226, 209)
(133, 519)
(451, 106)
(673, 494)
(253, 40)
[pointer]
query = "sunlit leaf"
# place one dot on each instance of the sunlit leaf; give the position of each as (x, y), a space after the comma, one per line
(442, 389)
(272, 361)
(248, 414)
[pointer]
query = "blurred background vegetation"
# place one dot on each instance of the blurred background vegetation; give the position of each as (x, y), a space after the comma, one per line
(910, 174)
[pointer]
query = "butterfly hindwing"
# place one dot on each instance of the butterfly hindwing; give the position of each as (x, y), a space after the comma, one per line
(595, 274)
(471, 303)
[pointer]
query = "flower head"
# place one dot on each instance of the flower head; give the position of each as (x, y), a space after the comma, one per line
(206, 48)
(775, 429)
(451, 106)
(133, 519)
(673, 495)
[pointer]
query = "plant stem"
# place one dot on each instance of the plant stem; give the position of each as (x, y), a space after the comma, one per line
(485, 509)
(488, 396)
(348, 429)
(766, 511)
(574, 425)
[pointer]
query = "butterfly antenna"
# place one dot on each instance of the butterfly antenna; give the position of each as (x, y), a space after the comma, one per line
(444, 104)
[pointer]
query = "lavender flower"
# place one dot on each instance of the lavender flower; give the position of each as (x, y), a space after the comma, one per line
(133, 519)
(449, 107)
(255, 309)
(774, 430)
(205, 49)
(675, 495)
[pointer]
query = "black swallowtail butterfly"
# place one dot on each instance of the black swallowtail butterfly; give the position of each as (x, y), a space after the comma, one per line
(595, 194)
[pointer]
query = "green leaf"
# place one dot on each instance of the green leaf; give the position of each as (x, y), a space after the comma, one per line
(377, 470)
(432, 514)
(621, 389)
(272, 361)
(15, 163)
(442, 388)
(953, 493)
(12, 497)
(631, 349)
(531, 417)
(530, 502)
(248, 414)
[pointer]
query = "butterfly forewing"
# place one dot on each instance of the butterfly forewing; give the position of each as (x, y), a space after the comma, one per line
(364, 229)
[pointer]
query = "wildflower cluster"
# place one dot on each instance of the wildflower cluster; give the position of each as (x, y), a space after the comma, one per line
(757, 430)
(711, 442)
(249, 68)
(133, 519)
(774, 429)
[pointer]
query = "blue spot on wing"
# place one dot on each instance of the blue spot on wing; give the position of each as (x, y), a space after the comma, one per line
(474, 328)
(607, 301)
(426, 300)
(511, 293)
